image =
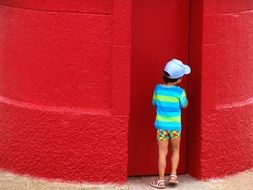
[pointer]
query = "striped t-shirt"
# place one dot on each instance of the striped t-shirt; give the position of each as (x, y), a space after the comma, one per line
(168, 101)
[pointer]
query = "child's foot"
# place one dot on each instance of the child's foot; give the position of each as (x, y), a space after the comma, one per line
(173, 180)
(159, 183)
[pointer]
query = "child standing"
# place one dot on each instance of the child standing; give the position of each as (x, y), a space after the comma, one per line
(168, 98)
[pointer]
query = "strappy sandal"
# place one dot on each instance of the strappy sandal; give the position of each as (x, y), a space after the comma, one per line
(173, 180)
(159, 184)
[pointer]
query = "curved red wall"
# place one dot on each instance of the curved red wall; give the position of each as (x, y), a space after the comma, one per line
(221, 123)
(64, 91)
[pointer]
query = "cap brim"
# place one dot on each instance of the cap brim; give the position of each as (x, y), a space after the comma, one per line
(187, 69)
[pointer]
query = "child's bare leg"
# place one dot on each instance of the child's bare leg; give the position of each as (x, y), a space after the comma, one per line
(175, 146)
(163, 150)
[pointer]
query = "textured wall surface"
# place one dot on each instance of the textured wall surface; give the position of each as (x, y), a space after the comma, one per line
(64, 91)
(224, 57)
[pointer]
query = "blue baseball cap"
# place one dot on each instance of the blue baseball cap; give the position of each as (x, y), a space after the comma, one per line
(176, 69)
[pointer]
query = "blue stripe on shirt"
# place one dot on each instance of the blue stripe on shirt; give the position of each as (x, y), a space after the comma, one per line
(168, 109)
(175, 89)
(168, 114)
(168, 125)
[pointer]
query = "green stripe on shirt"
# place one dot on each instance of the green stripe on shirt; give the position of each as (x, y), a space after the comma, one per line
(168, 119)
(166, 98)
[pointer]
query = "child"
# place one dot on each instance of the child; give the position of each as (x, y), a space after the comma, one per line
(168, 99)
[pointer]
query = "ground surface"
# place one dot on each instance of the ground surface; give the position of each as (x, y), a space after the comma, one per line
(242, 181)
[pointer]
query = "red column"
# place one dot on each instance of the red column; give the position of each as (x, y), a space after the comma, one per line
(64, 90)
(221, 55)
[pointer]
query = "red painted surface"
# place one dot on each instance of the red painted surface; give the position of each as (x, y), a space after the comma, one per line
(159, 33)
(194, 95)
(64, 91)
(65, 86)
(222, 54)
(78, 6)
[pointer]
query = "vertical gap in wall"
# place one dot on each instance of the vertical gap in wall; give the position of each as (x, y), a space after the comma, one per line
(194, 88)
(187, 113)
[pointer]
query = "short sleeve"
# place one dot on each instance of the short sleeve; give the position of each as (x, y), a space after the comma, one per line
(183, 100)
(154, 97)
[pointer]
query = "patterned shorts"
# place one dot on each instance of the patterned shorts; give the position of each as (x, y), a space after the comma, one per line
(164, 135)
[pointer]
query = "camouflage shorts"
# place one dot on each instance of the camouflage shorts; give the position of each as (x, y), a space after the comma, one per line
(163, 135)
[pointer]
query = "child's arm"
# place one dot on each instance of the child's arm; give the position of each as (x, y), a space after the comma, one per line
(183, 100)
(154, 98)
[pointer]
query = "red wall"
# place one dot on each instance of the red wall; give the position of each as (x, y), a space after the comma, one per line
(153, 44)
(194, 89)
(64, 91)
(221, 57)
(65, 82)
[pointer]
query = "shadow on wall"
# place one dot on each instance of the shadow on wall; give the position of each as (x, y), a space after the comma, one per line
(194, 114)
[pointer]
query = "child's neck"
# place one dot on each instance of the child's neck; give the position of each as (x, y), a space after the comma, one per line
(170, 84)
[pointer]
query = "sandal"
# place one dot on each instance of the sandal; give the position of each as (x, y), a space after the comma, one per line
(173, 180)
(159, 183)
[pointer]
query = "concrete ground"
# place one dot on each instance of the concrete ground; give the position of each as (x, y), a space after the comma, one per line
(242, 181)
